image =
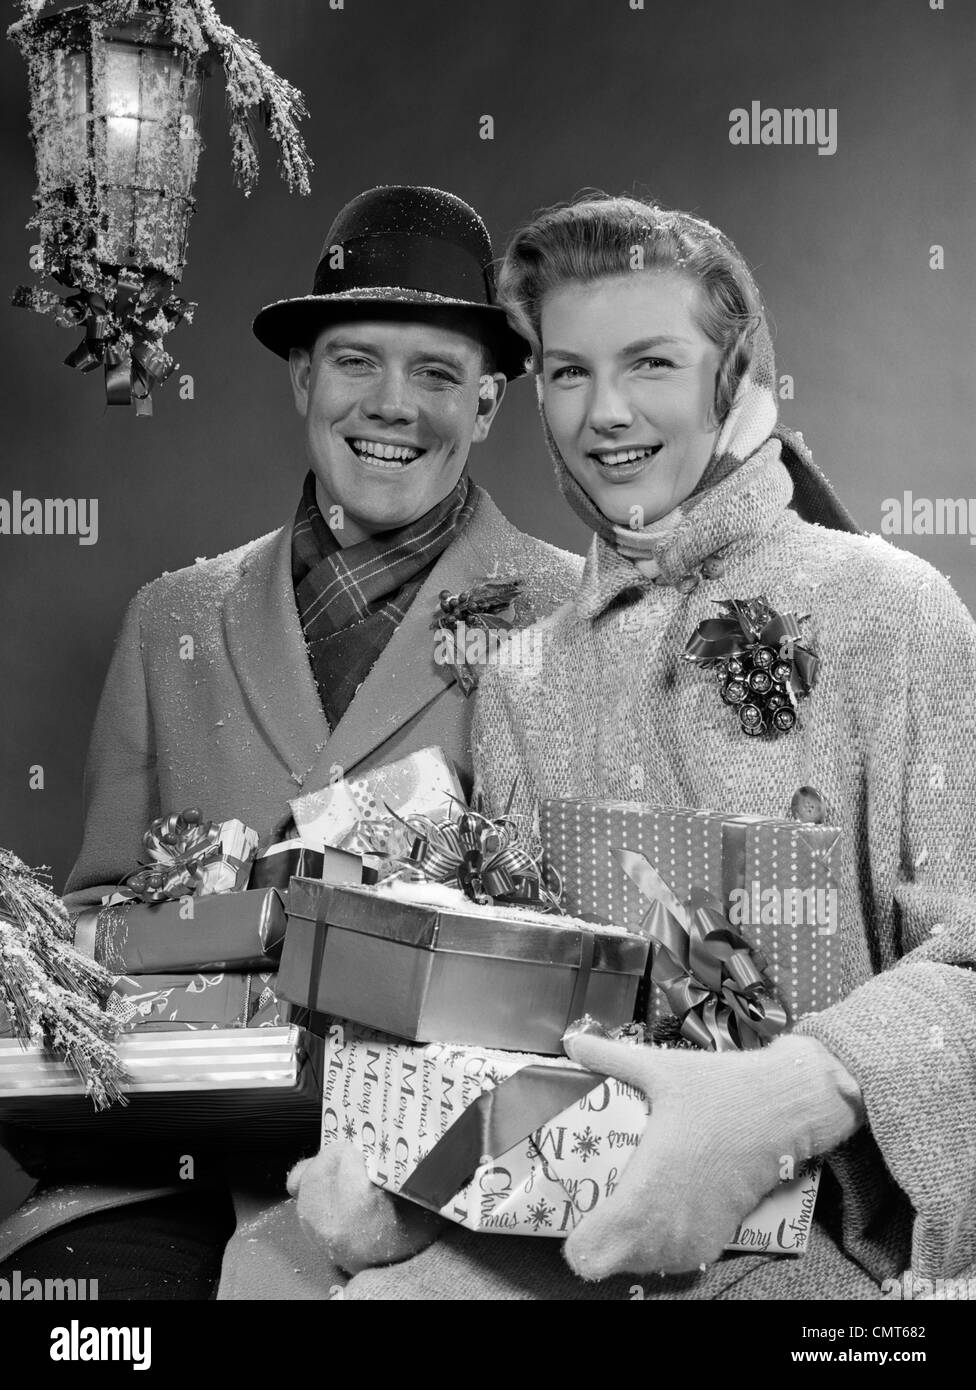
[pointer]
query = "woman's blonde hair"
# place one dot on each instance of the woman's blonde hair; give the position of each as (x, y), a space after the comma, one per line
(596, 236)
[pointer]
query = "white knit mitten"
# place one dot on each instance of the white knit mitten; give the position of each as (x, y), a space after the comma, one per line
(721, 1128)
(359, 1223)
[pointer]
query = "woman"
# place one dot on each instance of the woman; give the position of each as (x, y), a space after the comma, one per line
(655, 378)
(655, 387)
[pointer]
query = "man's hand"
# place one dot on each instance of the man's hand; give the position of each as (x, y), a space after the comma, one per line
(720, 1129)
(359, 1223)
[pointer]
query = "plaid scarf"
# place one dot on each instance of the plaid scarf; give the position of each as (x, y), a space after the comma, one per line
(351, 601)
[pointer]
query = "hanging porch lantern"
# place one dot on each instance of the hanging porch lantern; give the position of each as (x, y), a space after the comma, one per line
(116, 88)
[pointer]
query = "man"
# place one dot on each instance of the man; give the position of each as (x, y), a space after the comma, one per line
(308, 654)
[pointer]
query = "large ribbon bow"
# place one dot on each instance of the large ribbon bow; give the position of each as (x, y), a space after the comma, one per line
(483, 857)
(764, 666)
(178, 846)
(714, 982)
(478, 609)
(124, 324)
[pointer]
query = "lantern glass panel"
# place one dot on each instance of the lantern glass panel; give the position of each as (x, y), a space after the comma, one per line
(151, 100)
(123, 111)
(61, 120)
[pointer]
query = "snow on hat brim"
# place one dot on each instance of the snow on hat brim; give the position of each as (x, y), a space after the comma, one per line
(401, 251)
(290, 323)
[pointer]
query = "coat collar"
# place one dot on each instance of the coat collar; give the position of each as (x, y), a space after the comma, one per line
(267, 648)
(728, 516)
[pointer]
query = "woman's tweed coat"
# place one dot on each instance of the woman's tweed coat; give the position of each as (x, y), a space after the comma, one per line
(888, 736)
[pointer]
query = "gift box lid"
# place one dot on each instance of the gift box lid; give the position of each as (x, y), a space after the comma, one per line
(557, 941)
(306, 895)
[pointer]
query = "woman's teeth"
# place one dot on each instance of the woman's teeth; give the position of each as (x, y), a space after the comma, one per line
(626, 456)
(384, 455)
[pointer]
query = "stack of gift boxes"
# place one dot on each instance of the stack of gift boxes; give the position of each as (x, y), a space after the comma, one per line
(443, 1017)
(434, 958)
(193, 938)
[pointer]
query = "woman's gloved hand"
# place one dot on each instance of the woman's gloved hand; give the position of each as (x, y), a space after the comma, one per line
(360, 1224)
(721, 1130)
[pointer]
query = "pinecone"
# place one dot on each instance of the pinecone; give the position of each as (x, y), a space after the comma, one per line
(667, 1033)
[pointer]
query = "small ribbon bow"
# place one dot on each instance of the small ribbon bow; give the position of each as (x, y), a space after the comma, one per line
(483, 857)
(178, 846)
(714, 982)
(478, 610)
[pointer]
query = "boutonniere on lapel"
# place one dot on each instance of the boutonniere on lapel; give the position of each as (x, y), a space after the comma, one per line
(467, 626)
(763, 668)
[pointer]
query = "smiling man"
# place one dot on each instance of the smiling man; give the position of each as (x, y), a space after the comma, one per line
(313, 649)
(240, 681)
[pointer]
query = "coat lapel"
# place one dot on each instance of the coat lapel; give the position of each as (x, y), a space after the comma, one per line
(405, 678)
(267, 649)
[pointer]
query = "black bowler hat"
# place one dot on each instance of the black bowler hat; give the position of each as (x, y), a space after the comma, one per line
(413, 253)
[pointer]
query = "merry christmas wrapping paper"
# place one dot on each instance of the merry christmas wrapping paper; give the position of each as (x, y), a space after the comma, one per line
(776, 879)
(523, 1168)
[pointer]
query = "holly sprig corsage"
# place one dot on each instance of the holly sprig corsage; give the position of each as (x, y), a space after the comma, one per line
(464, 623)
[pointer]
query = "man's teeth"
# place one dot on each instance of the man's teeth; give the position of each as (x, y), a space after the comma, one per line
(384, 455)
(626, 455)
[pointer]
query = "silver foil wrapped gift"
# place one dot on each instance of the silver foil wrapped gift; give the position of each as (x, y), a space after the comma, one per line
(434, 974)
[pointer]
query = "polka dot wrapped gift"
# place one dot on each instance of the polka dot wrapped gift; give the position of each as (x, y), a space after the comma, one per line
(777, 881)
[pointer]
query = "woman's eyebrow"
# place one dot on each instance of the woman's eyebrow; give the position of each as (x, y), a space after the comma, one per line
(645, 344)
(640, 345)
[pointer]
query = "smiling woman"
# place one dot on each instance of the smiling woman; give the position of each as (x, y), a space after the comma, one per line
(655, 372)
(632, 416)
(649, 318)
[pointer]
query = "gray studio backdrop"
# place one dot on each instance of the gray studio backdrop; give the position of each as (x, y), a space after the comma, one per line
(605, 93)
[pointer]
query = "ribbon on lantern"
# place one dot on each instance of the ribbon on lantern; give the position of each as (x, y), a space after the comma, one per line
(477, 610)
(124, 323)
(714, 982)
(482, 856)
(179, 846)
(758, 655)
